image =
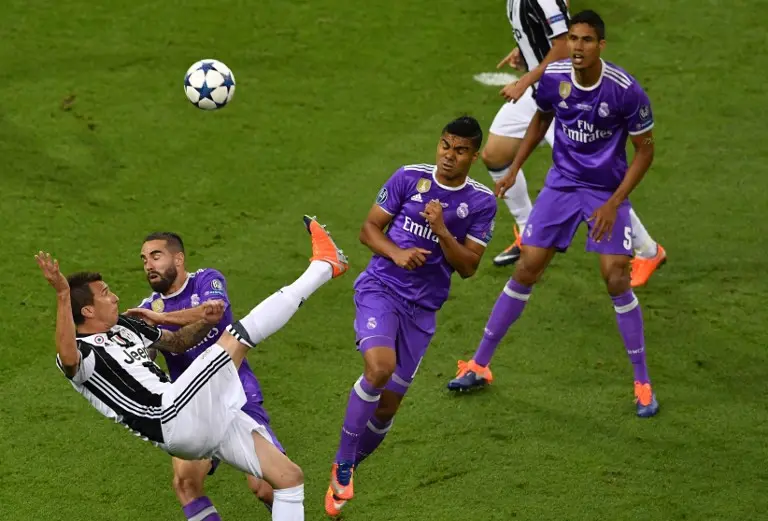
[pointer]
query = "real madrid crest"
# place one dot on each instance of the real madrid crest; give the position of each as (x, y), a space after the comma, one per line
(565, 89)
(158, 305)
(462, 211)
(423, 186)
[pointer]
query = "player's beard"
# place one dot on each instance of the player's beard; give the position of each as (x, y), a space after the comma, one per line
(165, 280)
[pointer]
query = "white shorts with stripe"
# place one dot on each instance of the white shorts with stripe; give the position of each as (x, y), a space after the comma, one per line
(512, 119)
(202, 416)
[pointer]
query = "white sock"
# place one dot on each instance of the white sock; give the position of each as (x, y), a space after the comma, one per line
(288, 504)
(276, 310)
(516, 198)
(316, 275)
(642, 242)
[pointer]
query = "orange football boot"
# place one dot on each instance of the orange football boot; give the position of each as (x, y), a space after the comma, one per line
(642, 269)
(333, 504)
(323, 247)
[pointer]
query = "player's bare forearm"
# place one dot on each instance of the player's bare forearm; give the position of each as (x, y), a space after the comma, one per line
(66, 339)
(641, 162)
(376, 241)
(182, 317)
(558, 51)
(183, 339)
(460, 257)
(536, 131)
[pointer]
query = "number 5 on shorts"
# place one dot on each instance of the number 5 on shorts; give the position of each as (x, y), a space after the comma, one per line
(627, 238)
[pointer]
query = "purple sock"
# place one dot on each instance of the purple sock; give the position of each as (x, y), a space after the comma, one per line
(201, 509)
(363, 400)
(508, 308)
(630, 320)
(370, 440)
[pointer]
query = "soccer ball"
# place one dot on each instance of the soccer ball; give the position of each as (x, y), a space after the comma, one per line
(209, 84)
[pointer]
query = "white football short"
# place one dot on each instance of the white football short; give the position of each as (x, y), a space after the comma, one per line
(512, 119)
(202, 417)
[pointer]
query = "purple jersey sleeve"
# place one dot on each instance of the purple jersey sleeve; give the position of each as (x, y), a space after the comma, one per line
(636, 110)
(544, 91)
(390, 198)
(481, 229)
(211, 285)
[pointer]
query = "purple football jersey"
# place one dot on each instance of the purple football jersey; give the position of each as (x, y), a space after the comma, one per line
(202, 285)
(592, 125)
(468, 211)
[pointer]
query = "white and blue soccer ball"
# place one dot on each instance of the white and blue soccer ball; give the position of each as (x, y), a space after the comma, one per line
(209, 84)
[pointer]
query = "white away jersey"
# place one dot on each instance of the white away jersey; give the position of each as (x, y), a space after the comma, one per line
(119, 379)
(535, 23)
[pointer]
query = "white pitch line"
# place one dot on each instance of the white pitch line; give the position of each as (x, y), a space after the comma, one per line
(495, 79)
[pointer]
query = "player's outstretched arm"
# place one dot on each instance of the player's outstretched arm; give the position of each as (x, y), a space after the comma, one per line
(192, 334)
(537, 129)
(180, 318)
(66, 340)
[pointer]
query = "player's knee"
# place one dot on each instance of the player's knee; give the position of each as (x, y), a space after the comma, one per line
(496, 158)
(528, 271)
(293, 476)
(617, 279)
(378, 372)
(187, 488)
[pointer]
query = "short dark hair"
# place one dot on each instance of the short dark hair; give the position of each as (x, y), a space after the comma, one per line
(173, 240)
(466, 127)
(80, 294)
(592, 19)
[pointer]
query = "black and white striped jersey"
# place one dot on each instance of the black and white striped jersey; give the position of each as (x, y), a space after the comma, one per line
(535, 23)
(117, 376)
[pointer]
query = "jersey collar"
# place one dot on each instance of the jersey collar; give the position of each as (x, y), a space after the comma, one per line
(593, 87)
(179, 291)
(449, 188)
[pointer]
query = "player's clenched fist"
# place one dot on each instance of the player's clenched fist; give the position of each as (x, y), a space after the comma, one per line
(411, 258)
(213, 310)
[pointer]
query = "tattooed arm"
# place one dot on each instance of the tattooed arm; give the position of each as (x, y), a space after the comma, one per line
(185, 338)
(192, 334)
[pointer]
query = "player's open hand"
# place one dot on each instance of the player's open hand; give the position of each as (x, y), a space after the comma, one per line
(411, 258)
(433, 213)
(213, 310)
(602, 221)
(512, 59)
(505, 183)
(50, 268)
(152, 318)
(515, 90)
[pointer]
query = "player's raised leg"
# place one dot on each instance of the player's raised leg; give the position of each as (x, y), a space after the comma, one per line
(327, 262)
(649, 255)
(552, 224)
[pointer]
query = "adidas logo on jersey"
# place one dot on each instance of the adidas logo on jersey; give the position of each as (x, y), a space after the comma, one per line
(563, 105)
(417, 198)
